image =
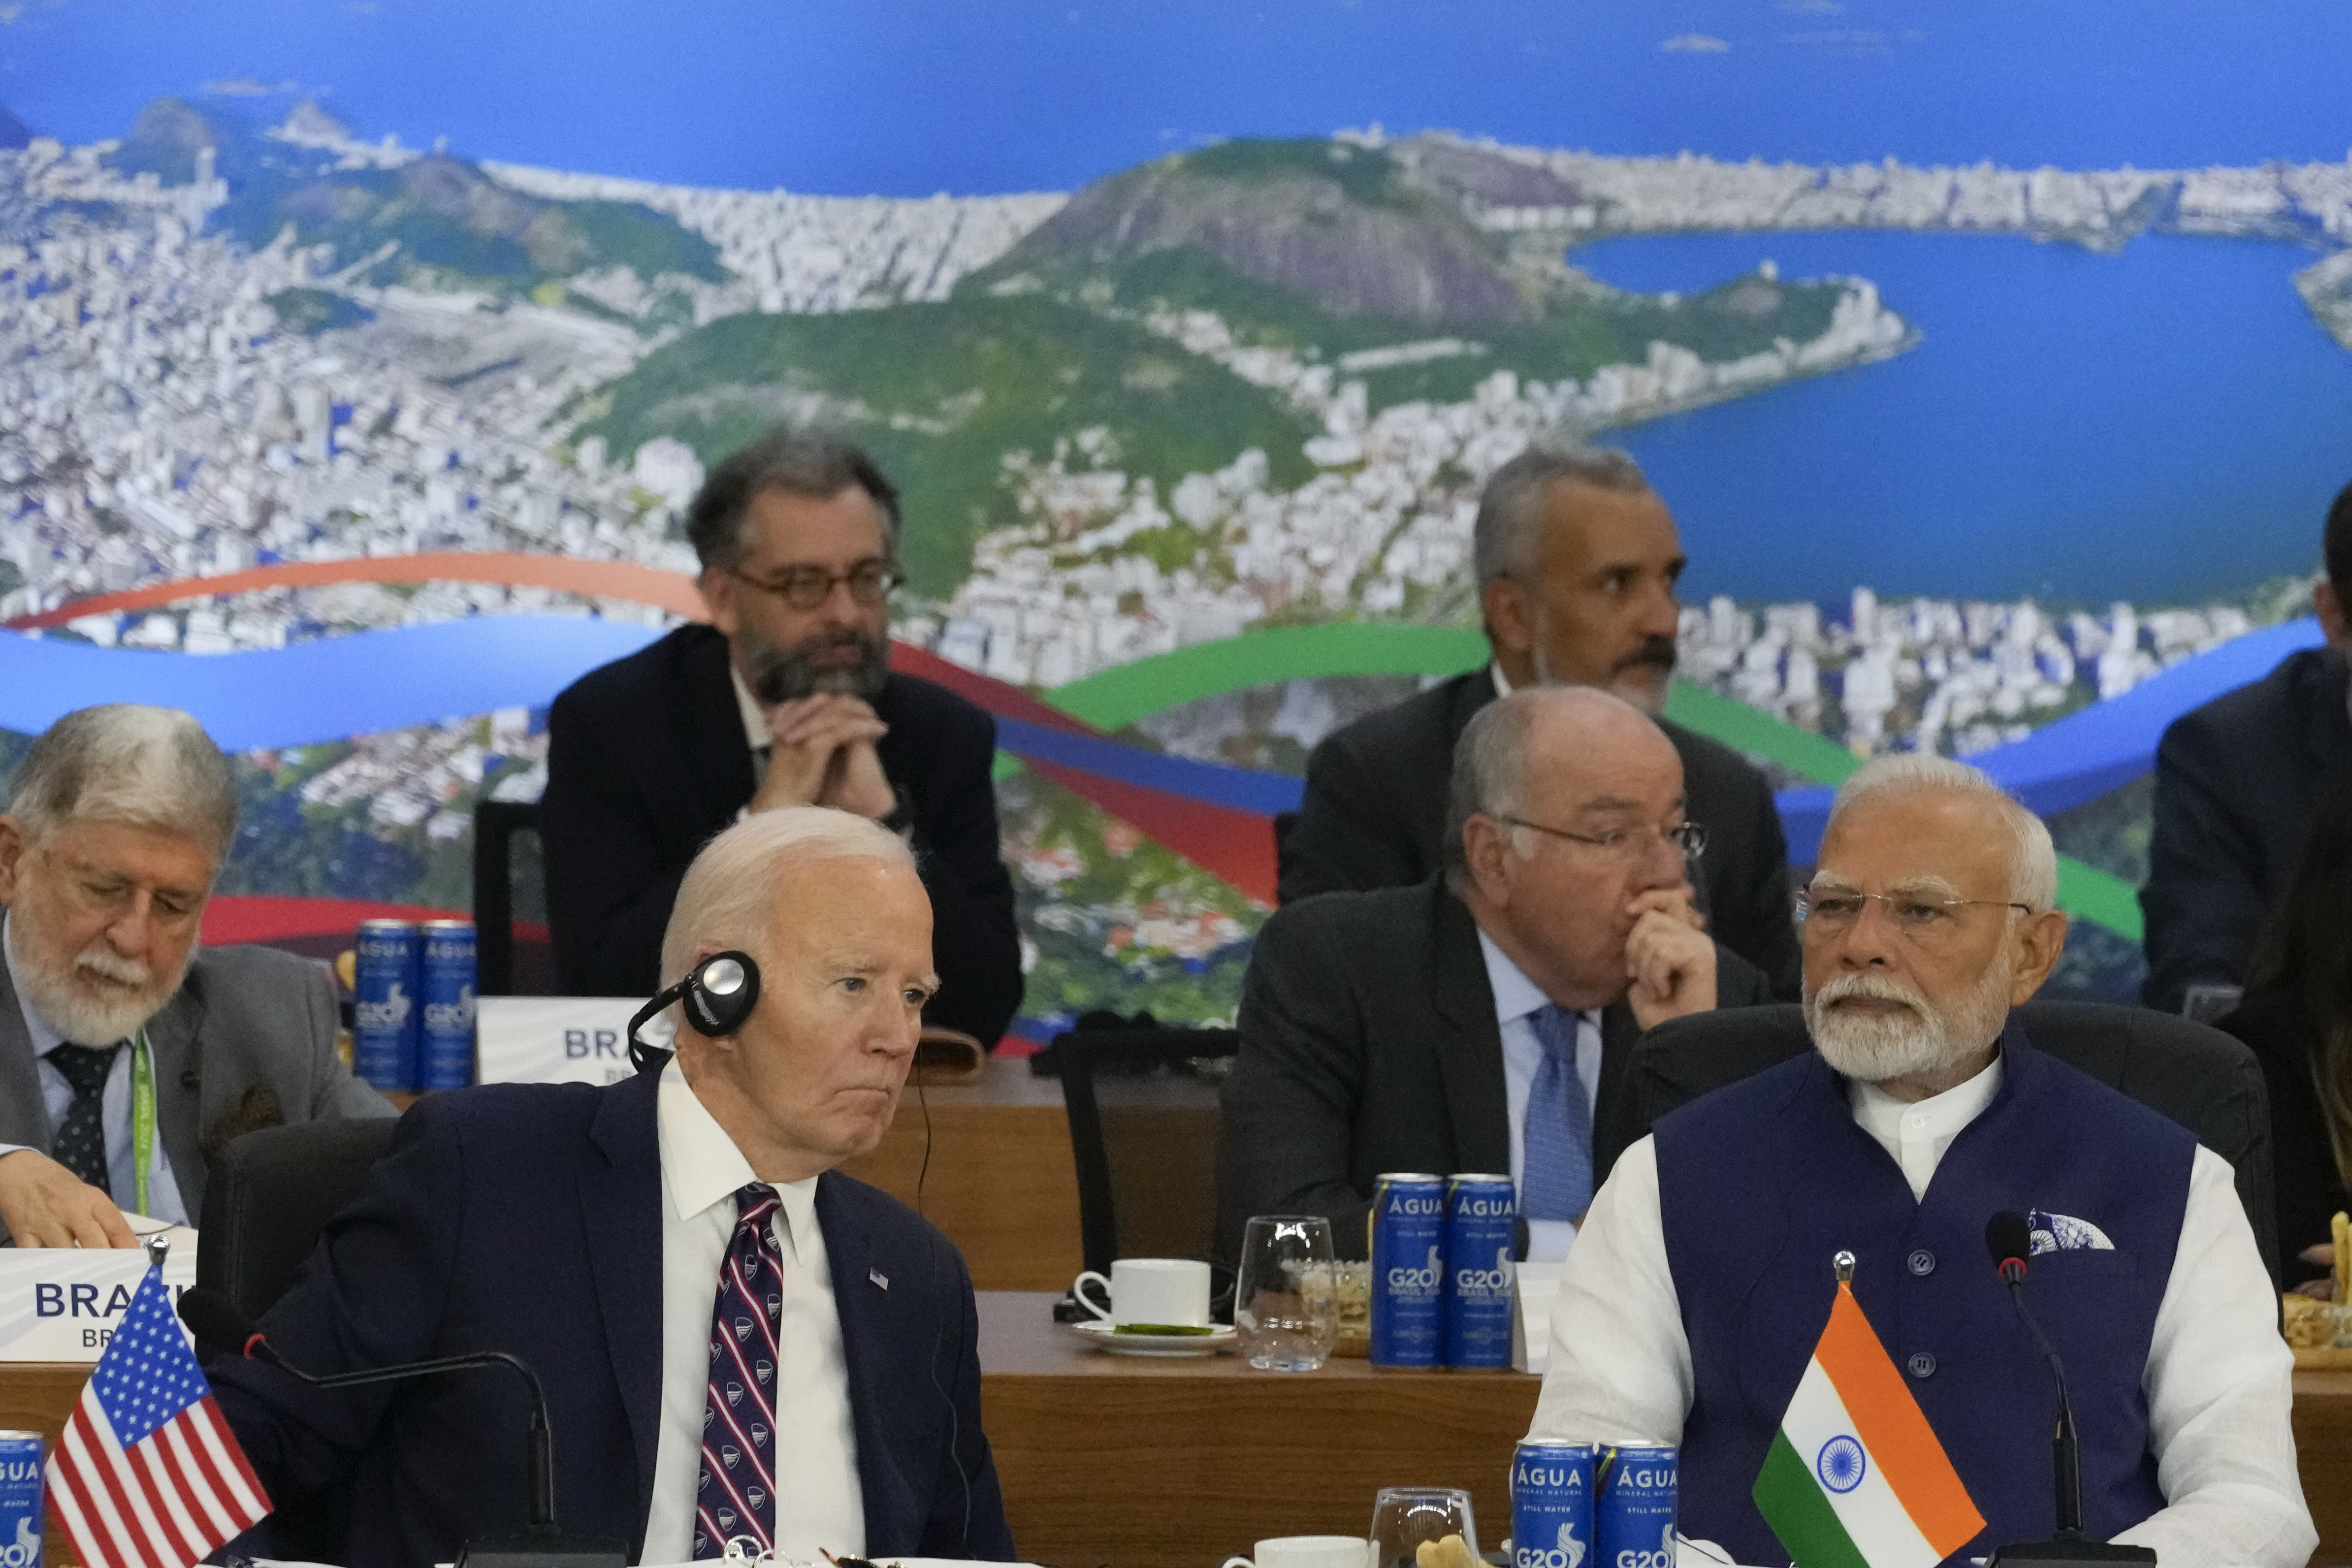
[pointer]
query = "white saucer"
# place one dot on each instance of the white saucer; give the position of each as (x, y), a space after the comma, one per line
(1104, 1337)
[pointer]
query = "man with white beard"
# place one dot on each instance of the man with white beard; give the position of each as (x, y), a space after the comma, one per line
(1691, 1305)
(127, 1057)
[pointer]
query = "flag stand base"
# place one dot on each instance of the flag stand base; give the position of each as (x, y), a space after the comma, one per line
(2070, 1551)
(528, 1550)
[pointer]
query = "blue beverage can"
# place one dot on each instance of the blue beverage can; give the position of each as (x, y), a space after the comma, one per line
(20, 1500)
(387, 1022)
(1551, 1504)
(1408, 1270)
(1633, 1506)
(1481, 1229)
(446, 1057)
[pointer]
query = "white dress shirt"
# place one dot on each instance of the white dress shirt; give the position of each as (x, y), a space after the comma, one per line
(1517, 1000)
(113, 1108)
(818, 1501)
(2218, 1383)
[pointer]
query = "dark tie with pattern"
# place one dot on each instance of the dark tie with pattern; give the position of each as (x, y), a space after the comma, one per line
(81, 1139)
(735, 1493)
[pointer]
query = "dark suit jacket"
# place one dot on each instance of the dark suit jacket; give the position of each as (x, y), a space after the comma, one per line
(247, 1041)
(2236, 783)
(528, 1219)
(1370, 1044)
(1374, 816)
(2279, 1030)
(646, 763)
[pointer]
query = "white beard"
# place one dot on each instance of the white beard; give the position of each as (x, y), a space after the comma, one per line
(90, 1011)
(1875, 1048)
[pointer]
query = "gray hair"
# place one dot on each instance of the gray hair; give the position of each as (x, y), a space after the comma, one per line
(1489, 776)
(1503, 540)
(814, 462)
(127, 762)
(728, 899)
(2033, 865)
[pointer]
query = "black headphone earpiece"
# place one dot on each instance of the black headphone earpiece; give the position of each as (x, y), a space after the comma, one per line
(718, 995)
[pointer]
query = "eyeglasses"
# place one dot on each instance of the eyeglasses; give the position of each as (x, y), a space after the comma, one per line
(1834, 911)
(1689, 838)
(807, 587)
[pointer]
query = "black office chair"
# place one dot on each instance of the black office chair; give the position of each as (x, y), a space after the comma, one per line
(496, 822)
(2192, 1072)
(266, 1197)
(269, 1196)
(1142, 1104)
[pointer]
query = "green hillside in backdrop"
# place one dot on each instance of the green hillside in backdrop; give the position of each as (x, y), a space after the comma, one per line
(943, 392)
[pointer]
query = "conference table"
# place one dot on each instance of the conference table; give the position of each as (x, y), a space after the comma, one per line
(1176, 1464)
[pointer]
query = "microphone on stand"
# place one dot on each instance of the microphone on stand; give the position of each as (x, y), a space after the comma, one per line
(2009, 1236)
(219, 1324)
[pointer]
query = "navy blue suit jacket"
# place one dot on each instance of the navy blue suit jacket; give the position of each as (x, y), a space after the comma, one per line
(528, 1219)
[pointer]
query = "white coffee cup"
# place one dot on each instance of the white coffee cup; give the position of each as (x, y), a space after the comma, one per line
(1163, 1293)
(1307, 1552)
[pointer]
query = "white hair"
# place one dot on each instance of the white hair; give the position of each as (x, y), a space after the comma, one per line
(2033, 864)
(127, 762)
(729, 900)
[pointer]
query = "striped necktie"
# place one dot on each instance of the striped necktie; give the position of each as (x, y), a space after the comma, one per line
(1556, 1174)
(735, 1491)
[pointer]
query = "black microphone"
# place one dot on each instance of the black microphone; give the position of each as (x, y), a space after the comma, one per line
(2009, 1236)
(220, 1326)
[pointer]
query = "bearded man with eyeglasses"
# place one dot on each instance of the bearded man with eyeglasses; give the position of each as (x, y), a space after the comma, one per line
(1689, 1311)
(785, 698)
(1480, 1021)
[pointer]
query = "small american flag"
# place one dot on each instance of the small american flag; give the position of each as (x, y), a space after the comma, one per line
(147, 1474)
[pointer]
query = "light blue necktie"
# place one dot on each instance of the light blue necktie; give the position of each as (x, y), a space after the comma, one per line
(1556, 1174)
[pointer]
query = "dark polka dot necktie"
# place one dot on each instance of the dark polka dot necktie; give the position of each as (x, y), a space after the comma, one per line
(735, 1491)
(81, 1139)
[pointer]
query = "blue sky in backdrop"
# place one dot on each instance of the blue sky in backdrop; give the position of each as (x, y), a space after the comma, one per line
(850, 97)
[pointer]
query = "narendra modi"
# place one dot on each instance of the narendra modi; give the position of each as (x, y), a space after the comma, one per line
(1690, 1307)
(128, 1057)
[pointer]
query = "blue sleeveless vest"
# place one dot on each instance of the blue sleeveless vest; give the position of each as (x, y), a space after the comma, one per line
(1761, 1183)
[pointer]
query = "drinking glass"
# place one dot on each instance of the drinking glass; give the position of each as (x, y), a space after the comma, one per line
(1405, 1519)
(1285, 1302)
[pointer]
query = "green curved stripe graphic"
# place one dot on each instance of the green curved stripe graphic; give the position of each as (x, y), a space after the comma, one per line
(1115, 698)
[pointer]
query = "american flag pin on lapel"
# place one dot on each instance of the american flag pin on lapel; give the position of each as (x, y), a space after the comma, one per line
(879, 1277)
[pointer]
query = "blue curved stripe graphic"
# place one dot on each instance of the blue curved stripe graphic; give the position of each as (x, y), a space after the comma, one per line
(2098, 748)
(324, 690)
(1211, 783)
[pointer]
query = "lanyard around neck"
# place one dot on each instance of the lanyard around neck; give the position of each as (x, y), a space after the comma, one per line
(142, 1114)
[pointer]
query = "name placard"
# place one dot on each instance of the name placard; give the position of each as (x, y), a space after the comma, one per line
(62, 1304)
(558, 1040)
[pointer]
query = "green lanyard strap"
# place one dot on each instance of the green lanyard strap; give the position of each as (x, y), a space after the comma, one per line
(142, 1113)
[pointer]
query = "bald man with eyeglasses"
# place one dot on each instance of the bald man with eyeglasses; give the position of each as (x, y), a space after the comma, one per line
(1480, 1021)
(785, 698)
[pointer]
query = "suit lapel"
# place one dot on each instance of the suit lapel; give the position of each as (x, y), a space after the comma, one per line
(24, 1116)
(710, 729)
(1619, 1033)
(1471, 1057)
(858, 1303)
(621, 1204)
(172, 1034)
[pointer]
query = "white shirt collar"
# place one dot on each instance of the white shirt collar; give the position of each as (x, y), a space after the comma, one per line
(45, 1038)
(1502, 681)
(1916, 1133)
(1516, 995)
(755, 722)
(701, 1167)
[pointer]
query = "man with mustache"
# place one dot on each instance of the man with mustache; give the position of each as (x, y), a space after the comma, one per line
(1704, 1275)
(786, 698)
(1577, 559)
(127, 1056)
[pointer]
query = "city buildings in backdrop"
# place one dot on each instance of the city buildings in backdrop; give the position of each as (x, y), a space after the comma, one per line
(786, 699)
(127, 1057)
(1481, 1019)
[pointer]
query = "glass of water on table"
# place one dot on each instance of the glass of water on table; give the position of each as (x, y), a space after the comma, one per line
(1424, 1527)
(1285, 1299)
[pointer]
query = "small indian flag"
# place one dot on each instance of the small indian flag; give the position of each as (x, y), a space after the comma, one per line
(1857, 1478)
